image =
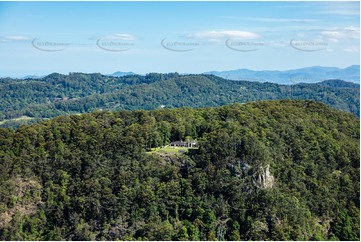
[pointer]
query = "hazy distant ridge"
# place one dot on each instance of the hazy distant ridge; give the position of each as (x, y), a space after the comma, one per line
(304, 75)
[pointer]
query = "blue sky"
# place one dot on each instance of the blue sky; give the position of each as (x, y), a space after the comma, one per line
(186, 37)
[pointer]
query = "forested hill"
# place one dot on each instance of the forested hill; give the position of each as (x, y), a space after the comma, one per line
(31, 100)
(339, 83)
(268, 170)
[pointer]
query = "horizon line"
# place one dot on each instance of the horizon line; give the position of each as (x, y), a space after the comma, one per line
(181, 73)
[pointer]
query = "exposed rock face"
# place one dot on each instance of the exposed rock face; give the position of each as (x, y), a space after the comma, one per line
(265, 178)
(26, 196)
(254, 176)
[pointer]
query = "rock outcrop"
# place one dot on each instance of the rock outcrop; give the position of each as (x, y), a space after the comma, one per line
(265, 179)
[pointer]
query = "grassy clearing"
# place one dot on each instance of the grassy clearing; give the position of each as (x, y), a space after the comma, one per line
(22, 118)
(169, 150)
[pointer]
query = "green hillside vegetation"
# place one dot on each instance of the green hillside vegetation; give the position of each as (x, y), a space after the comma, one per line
(58, 94)
(267, 170)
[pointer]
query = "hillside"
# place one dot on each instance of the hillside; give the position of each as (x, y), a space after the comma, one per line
(56, 94)
(268, 170)
(339, 84)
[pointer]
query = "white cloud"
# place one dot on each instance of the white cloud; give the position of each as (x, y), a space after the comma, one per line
(278, 44)
(283, 20)
(352, 49)
(339, 8)
(14, 38)
(333, 40)
(271, 20)
(340, 12)
(350, 32)
(332, 34)
(216, 35)
(352, 28)
(123, 36)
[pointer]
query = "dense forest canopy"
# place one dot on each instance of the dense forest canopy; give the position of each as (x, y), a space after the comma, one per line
(268, 170)
(32, 100)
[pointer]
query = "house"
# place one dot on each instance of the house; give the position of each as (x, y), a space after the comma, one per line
(190, 144)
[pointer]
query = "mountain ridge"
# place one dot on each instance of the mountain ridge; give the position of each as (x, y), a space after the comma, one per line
(120, 73)
(312, 74)
(57, 94)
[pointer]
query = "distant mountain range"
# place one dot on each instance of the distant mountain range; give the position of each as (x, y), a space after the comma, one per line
(33, 77)
(304, 75)
(312, 74)
(120, 73)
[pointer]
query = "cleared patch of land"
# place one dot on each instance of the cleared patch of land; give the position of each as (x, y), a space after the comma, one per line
(168, 149)
(22, 118)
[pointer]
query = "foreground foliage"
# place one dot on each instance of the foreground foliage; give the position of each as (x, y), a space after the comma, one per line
(275, 170)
